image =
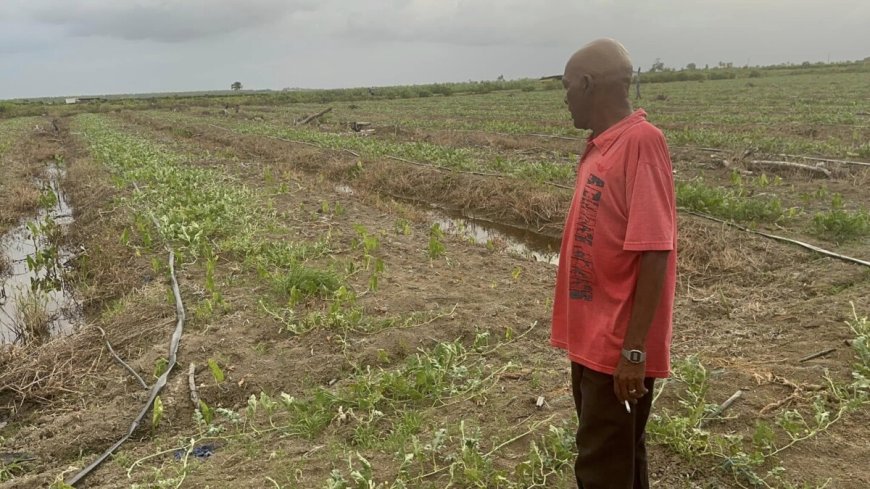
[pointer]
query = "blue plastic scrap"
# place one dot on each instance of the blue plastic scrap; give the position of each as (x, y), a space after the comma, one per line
(201, 452)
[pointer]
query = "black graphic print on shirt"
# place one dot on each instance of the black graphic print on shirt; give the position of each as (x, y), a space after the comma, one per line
(582, 267)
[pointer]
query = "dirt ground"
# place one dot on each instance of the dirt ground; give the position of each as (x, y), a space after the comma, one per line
(749, 307)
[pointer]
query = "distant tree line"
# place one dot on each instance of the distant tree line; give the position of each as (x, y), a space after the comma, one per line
(662, 74)
(659, 73)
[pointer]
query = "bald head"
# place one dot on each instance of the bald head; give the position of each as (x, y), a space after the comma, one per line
(605, 60)
(596, 79)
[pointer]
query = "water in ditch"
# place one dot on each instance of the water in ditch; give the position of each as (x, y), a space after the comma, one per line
(27, 311)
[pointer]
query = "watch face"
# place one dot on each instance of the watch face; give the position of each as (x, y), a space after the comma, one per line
(634, 356)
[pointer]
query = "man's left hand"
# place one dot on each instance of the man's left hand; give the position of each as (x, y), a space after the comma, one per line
(628, 381)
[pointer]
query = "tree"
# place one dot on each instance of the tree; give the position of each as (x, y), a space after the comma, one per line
(691, 66)
(658, 65)
(236, 86)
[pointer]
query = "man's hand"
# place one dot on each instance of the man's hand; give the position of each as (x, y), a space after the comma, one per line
(628, 381)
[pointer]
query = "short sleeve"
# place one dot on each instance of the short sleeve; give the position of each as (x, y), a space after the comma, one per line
(650, 198)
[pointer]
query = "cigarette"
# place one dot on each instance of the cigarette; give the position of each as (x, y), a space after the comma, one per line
(627, 407)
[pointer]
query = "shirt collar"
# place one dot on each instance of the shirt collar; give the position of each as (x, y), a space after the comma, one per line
(606, 139)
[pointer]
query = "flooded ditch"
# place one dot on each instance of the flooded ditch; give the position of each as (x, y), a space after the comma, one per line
(522, 242)
(35, 301)
(519, 241)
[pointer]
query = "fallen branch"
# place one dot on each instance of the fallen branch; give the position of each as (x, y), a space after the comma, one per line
(122, 362)
(725, 405)
(313, 117)
(817, 355)
(191, 381)
(158, 385)
(781, 238)
(826, 160)
(788, 165)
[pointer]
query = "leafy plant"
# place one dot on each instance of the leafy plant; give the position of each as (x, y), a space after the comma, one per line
(156, 413)
(216, 372)
(840, 224)
(436, 246)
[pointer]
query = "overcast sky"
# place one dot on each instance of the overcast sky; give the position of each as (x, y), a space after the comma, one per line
(76, 47)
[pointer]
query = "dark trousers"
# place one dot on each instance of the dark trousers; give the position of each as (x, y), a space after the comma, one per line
(611, 443)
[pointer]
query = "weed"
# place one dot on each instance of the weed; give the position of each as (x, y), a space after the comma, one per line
(402, 227)
(44, 263)
(839, 224)
(300, 282)
(47, 198)
(9, 471)
(743, 457)
(860, 326)
(436, 246)
(32, 322)
(216, 372)
(156, 413)
(160, 366)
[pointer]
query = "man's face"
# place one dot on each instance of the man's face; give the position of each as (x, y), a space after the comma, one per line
(577, 99)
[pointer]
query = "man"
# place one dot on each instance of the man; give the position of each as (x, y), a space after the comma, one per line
(617, 270)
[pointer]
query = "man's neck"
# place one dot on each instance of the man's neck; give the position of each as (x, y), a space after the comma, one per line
(609, 118)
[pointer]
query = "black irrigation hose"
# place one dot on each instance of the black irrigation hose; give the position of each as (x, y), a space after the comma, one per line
(781, 238)
(156, 388)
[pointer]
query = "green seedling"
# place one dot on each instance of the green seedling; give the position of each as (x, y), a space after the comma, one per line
(216, 372)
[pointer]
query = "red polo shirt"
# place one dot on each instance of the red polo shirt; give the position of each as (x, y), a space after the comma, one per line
(623, 205)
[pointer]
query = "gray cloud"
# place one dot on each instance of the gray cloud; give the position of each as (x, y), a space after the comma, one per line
(466, 23)
(160, 20)
(561, 22)
(56, 47)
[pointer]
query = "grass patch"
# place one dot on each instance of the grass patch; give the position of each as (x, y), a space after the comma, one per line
(32, 323)
(299, 282)
(840, 224)
(729, 203)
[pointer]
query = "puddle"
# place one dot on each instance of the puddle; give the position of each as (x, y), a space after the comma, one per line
(518, 241)
(17, 245)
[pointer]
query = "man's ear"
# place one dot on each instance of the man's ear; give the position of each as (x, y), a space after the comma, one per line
(588, 82)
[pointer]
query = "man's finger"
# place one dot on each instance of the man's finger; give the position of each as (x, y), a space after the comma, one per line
(621, 389)
(639, 388)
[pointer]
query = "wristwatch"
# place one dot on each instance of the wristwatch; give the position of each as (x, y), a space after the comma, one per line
(634, 356)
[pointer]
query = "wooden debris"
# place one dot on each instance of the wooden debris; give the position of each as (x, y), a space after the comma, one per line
(310, 118)
(817, 355)
(817, 171)
(727, 404)
(539, 403)
(826, 160)
(122, 362)
(359, 126)
(191, 382)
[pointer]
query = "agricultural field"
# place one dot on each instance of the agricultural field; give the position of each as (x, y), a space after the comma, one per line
(366, 297)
